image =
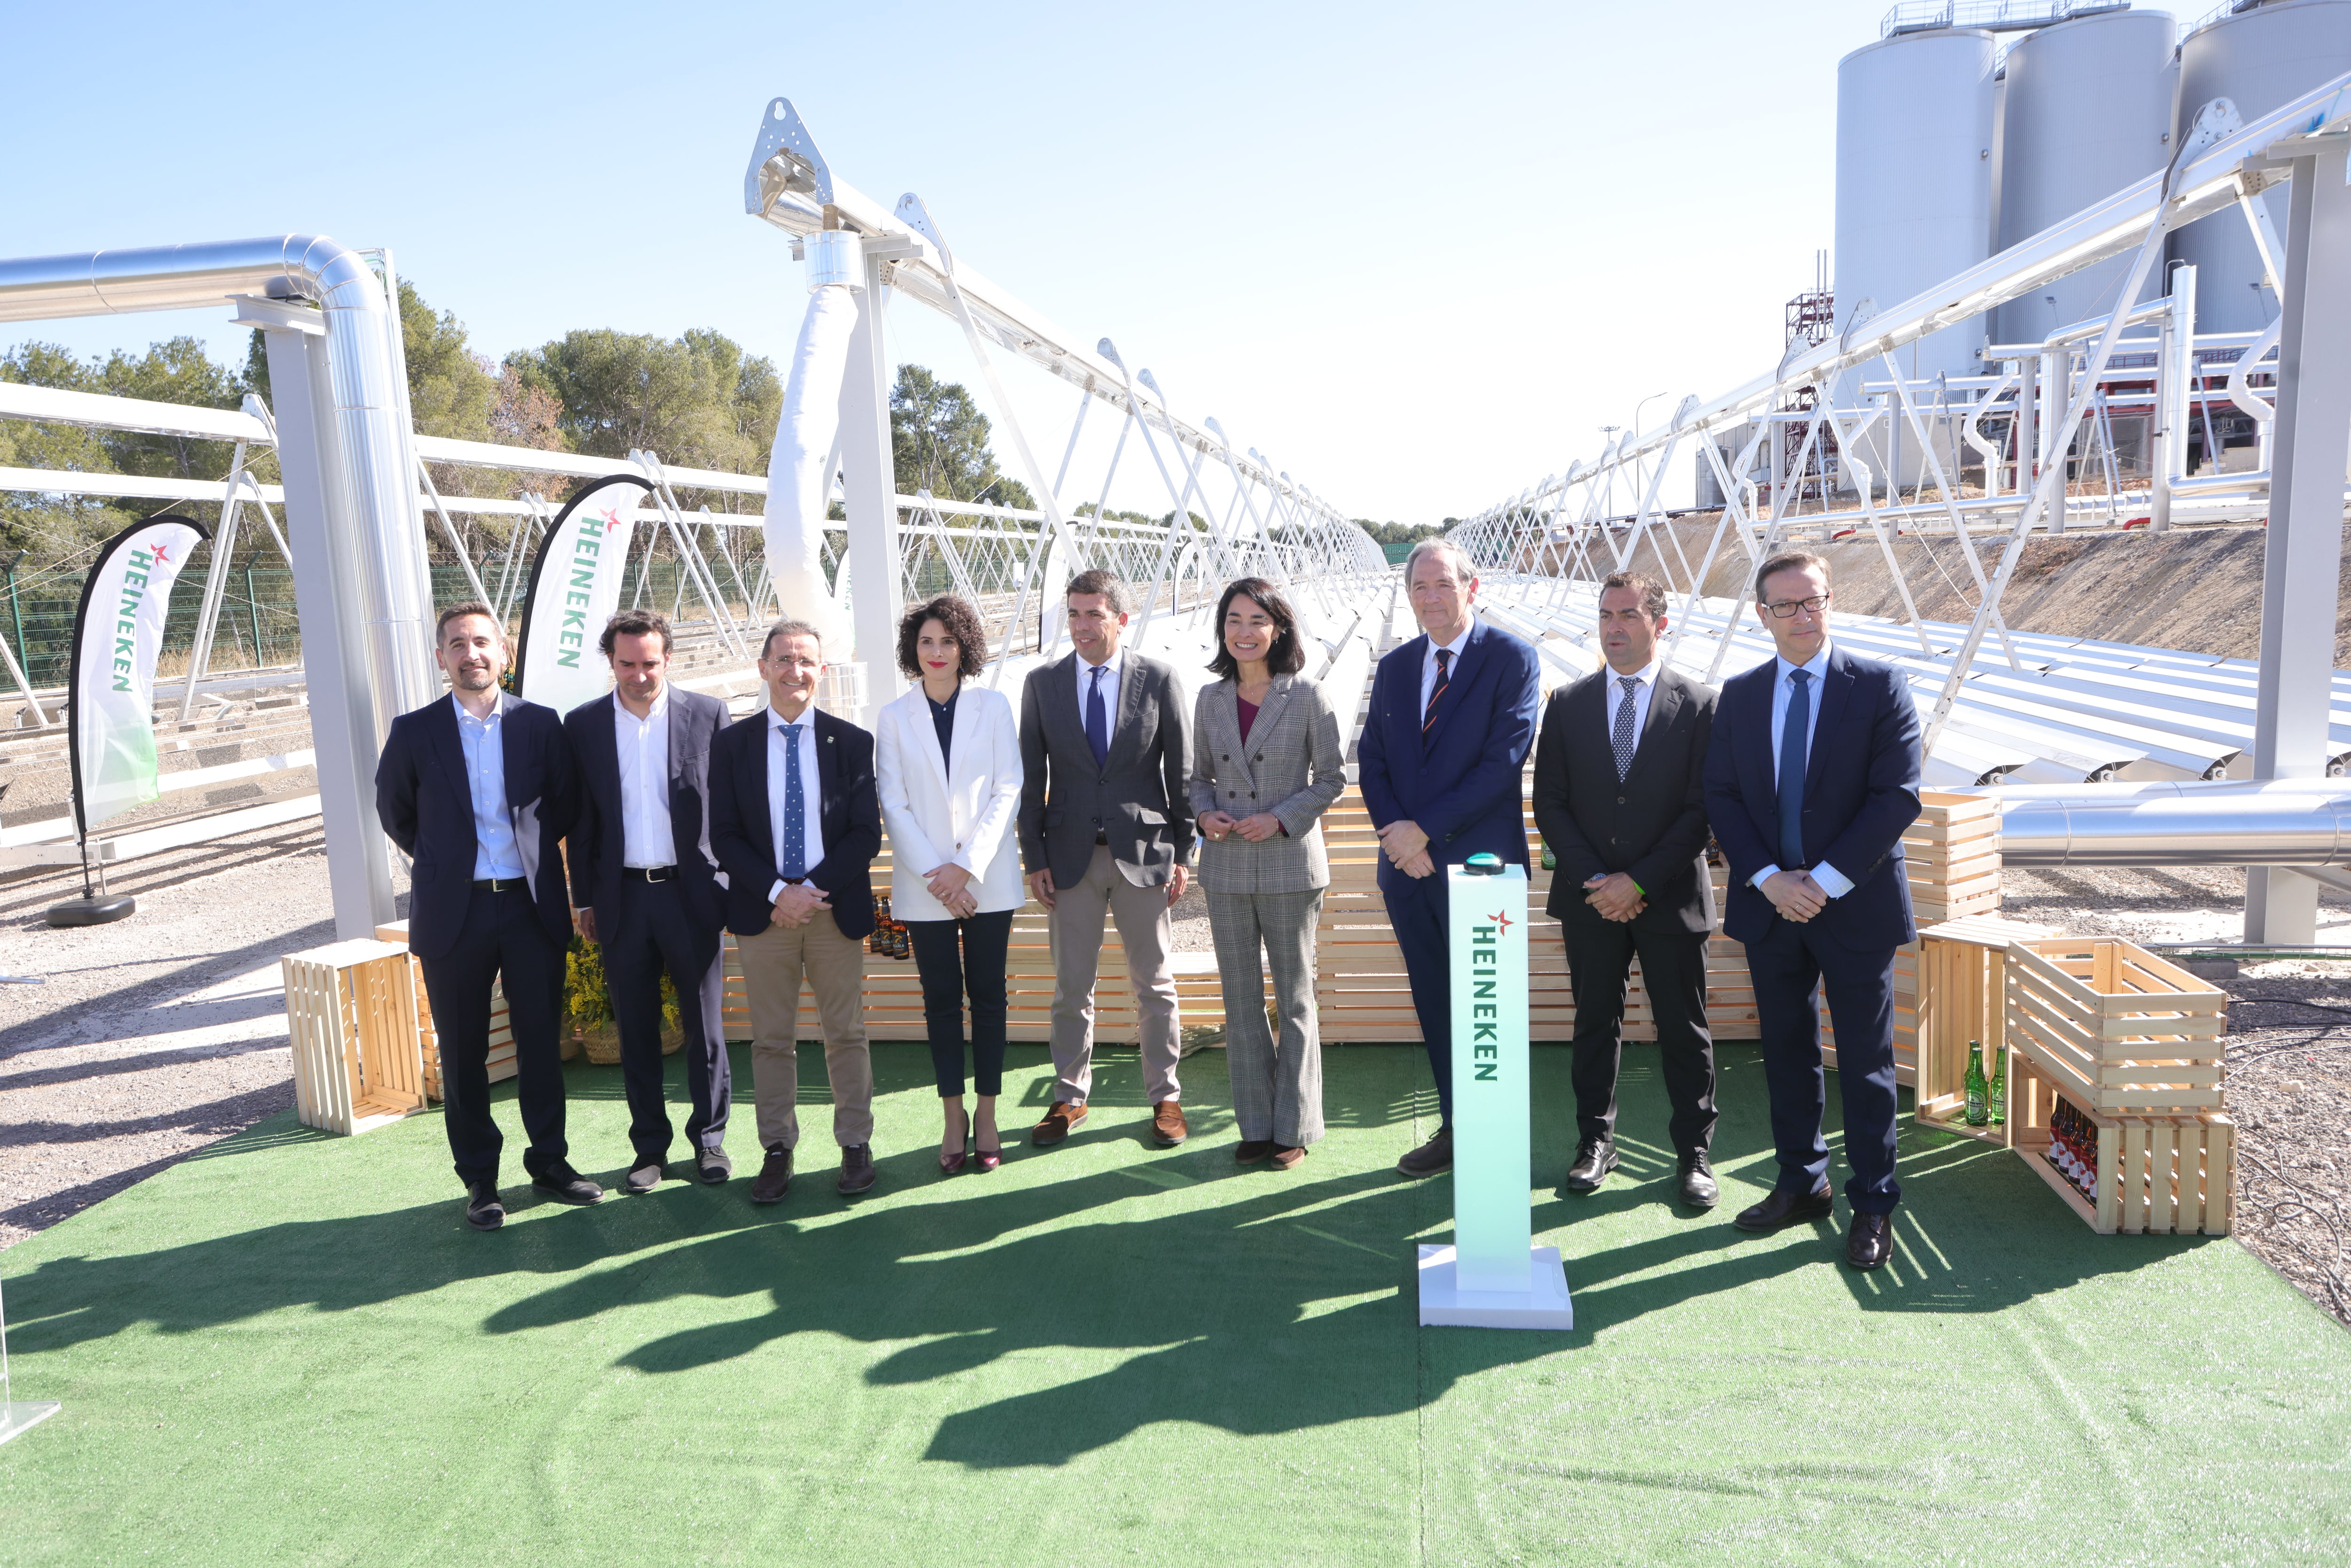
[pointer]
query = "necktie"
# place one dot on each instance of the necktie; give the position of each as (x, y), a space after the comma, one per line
(1793, 733)
(793, 863)
(1098, 719)
(1622, 738)
(1444, 662)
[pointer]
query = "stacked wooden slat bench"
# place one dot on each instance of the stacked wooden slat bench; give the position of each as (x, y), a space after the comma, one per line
(1963, 995)
(502, 1052)
(2132, 1044)
(350, 1017)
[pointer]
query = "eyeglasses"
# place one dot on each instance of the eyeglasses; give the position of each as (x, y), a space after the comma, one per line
(1787, 607)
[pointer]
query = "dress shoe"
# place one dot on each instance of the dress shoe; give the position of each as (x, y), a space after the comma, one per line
(1435, 1155)
(856, 1169)
(1057, 1124)
(1783, 1208)
(483, 1210)
(775, 1177)
(1696, 1187)
(1248, 1150)
(716, 1166)
(642, 1179)
(1595, 1158)
(1167, 1128)
(987, 1159)
(567, 1185)
(1288, 1157)
(1870, 1241)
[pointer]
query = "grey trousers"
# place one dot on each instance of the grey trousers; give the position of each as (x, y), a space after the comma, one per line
(1277, 1088)
(1104, 895)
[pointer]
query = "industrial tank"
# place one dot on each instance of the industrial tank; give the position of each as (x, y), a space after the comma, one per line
(1913, 190)
(2084, 112)
(2258, 58)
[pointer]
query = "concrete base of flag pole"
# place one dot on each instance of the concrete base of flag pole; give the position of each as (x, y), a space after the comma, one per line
(1544, 1304)
(97, 910)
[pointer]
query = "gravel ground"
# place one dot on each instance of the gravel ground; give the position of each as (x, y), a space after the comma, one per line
(154, 1037)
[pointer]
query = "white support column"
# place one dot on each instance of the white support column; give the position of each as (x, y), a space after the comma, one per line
(2300, 573)
(870, 480)
(2176, 368)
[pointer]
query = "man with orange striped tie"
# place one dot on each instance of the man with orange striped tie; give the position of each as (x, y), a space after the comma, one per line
(1452, 721)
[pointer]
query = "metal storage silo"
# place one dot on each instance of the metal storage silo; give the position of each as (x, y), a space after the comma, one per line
(2085, 114)
(1913, 190)
(2257, 58)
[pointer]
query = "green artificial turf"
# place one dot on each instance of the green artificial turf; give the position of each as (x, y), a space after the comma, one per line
(291, 1350)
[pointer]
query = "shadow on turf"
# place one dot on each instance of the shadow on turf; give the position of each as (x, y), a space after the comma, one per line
(1275, 1304)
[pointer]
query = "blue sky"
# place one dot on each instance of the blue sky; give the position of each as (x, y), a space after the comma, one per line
(1415, 254)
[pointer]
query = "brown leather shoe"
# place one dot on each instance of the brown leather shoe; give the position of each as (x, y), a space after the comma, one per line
(775, 1177)
(1288, 1157)
(1167, 1128)
(1056, 1124)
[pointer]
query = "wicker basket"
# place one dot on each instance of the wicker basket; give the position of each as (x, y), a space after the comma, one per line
(601, 1042)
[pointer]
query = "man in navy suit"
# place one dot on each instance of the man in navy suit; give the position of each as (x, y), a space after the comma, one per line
(1452, 720)
(476, 792)
(796, 820)
(644, 886)
(1811, 774)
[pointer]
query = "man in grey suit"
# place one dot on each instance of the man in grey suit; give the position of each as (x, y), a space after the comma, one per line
(1105, 832)
(644, 886)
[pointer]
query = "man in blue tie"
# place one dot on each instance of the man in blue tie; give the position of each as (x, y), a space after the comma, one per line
(1811, 774)
(796, 822)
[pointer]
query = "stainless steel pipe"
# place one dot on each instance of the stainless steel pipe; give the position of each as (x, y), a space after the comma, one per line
(2285, 823)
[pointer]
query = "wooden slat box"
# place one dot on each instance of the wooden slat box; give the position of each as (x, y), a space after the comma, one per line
(2155, 1173)
(350, 1017)
(1963, 995)
(1952, 855)
(2120, 1030)
(502, 1052)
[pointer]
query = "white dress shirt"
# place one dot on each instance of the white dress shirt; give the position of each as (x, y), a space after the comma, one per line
(496, 854)
(643, 745)
(1428, 664)
(1834, 882)
(812, 791)
(1646, 687)
(1110, 669)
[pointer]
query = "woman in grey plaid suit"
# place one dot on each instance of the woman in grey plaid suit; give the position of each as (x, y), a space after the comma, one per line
(1266, 765)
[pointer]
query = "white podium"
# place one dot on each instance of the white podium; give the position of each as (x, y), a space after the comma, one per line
(1493, 1276)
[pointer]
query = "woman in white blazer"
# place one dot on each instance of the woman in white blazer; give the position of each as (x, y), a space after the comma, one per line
(948, 764)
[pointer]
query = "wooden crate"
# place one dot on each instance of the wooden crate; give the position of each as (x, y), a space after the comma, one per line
(350, 1017)
(2155, 1173)
(1961, 995)
(2120, 1030)
(1952, 855)
(502, 1052)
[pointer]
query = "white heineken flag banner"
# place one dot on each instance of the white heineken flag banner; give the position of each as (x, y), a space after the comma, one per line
(1492, 1276)
(117, 631)
(575, 587)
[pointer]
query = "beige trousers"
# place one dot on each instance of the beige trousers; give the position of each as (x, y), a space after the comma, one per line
(773, 963)
(1080, 912)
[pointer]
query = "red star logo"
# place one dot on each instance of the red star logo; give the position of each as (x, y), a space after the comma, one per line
(1501, 920)
(612, 515)
(162, 554)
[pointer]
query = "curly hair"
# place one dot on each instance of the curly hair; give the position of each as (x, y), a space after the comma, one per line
(962, 623)
(1287, 658)
(635, 623)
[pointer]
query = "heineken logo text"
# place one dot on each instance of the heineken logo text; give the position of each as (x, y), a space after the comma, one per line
(571, 634)
(1485, 1007)
(125, 614)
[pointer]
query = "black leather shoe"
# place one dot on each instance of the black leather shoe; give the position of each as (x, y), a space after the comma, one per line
(1783, 1208)
(1595, 1158)
(483, 1210)
(716, 1167)
(1870, 1241)
(642, 1178)
(1435, 1155)
(775, 1177)
(567, 1185)
(856, 1169)
(1695, 1185)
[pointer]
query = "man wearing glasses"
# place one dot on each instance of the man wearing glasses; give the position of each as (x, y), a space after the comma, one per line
(1811, 774)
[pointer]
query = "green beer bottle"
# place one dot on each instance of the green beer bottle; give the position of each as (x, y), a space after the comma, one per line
(1977, 1089)
(1550, 860)
(1998, 1093)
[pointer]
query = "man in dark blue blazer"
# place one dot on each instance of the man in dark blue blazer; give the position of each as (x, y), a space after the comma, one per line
(476, 790)
(644, 887)
(1811, 774)
(1452, 720)
(796, 822)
